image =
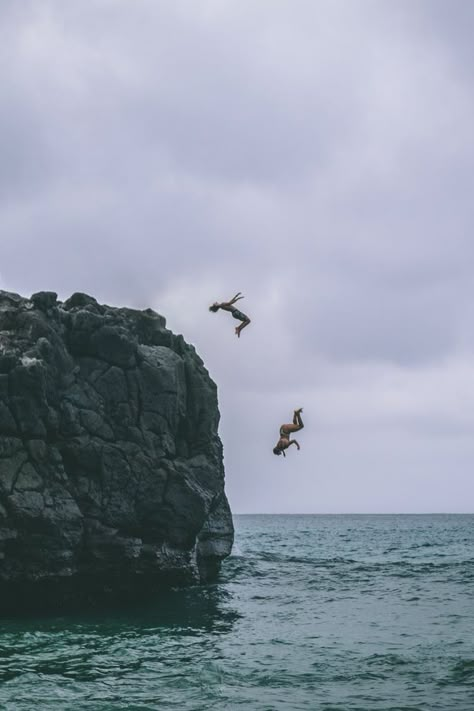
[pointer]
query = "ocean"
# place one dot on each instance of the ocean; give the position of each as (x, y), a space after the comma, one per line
(331, 613)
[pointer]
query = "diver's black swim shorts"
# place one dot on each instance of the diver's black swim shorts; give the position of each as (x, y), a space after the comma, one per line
(239, 315)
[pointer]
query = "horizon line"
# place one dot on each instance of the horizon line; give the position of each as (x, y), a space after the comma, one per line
(354, 513)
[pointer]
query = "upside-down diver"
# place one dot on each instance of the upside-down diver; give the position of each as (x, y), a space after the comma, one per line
(285, 430)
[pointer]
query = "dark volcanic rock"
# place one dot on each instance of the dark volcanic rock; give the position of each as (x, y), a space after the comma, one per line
(111, 473)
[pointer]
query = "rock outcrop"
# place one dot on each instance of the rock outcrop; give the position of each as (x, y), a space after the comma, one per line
(111, 471)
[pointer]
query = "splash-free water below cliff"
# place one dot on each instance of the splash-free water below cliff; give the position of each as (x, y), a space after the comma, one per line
(309, 613)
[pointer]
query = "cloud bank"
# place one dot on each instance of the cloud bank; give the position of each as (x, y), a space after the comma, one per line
(316, 156)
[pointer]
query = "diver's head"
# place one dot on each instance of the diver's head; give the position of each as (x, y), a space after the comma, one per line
(214, 307)
(277, 451)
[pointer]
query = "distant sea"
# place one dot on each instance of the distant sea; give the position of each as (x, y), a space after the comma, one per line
(331, 613)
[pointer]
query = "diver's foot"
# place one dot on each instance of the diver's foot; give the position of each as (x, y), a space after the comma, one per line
(297, 412)
(237, 332)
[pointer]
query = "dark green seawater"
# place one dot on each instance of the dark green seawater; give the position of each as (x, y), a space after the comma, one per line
(332, 613)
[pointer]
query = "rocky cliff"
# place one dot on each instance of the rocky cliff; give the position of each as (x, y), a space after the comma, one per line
(111, 472)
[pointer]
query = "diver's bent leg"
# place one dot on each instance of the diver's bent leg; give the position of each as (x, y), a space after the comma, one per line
(242, 326)
(297, 418)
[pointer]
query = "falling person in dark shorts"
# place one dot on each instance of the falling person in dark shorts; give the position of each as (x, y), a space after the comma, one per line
(285, 432)
(229, 306)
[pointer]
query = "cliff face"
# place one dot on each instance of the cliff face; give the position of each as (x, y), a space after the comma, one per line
(111, 472)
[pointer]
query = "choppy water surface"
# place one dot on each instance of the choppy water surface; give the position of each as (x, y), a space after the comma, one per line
(336, 613)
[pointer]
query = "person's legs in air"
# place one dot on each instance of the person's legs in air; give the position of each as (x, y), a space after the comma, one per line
(245, 323)
(297, 419)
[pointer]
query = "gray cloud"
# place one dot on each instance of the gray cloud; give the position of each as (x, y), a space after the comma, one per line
(320, 161)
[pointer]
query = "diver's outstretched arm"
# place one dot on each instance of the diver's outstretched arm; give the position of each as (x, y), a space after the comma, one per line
(235, 298)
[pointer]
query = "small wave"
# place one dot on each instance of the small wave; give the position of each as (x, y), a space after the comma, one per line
(303, 560)
(246, 567)
(403, 568)
(461, 673)
(392, 660)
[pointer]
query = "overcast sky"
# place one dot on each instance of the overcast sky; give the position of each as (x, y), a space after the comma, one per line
(316, 155)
